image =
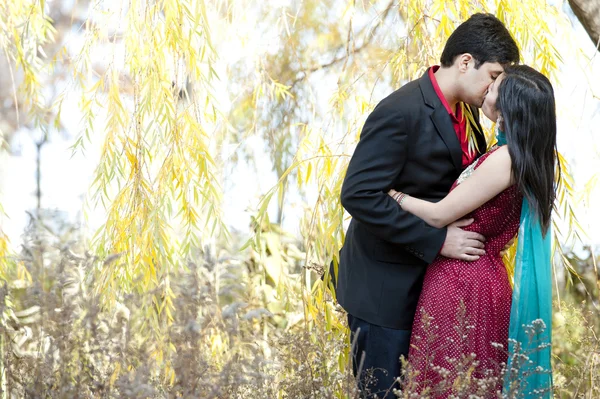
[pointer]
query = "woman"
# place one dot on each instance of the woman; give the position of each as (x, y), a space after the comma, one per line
(460, 337)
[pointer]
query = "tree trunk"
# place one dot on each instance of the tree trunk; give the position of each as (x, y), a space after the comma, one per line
(38, 174)
(588, 13)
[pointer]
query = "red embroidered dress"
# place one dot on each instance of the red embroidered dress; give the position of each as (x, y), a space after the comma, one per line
(468, 303)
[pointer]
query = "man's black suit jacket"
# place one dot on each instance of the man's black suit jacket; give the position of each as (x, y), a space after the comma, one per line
(408, 143)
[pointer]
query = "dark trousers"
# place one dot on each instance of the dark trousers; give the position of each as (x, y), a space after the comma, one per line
(376, 353)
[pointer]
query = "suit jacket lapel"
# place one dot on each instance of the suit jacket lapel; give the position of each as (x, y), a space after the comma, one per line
(441, 120)
(444, 126)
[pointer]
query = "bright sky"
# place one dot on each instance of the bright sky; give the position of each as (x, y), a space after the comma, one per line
(65, 180)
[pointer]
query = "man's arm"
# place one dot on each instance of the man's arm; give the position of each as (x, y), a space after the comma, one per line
(378, 159)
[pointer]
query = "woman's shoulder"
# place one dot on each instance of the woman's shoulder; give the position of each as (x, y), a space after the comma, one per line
(496, 154)
(494, 163)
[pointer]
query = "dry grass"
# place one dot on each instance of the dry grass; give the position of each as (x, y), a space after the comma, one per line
(59, 342)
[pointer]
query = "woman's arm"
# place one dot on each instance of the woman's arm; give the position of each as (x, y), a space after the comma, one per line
(491, 178)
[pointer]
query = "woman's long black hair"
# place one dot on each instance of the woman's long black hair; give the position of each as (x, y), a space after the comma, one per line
(526, 103)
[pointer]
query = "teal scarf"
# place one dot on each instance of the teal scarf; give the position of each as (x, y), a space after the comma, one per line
(530, 329)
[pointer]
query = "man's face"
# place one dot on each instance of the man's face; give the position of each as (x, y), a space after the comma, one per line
(476, 81)
(489, 105)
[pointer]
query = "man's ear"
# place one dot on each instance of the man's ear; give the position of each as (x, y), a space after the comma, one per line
(463, 61)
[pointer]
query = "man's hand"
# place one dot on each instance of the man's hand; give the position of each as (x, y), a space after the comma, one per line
(507, 247)
(463, 245)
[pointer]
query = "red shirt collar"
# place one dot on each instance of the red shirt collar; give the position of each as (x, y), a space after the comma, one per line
(455, 118)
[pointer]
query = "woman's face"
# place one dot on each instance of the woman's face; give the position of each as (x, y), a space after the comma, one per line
(489, 103)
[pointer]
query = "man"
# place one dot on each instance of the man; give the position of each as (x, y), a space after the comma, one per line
(417, 140)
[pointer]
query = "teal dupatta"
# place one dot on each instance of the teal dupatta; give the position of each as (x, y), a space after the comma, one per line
(529, 371)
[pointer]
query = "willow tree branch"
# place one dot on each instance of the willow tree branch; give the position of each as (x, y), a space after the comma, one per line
(349, 52)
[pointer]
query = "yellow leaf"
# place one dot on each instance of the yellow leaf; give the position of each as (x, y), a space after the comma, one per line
(115, 374)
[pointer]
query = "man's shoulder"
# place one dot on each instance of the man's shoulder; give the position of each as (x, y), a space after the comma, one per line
(405, 99)
(408, 90)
